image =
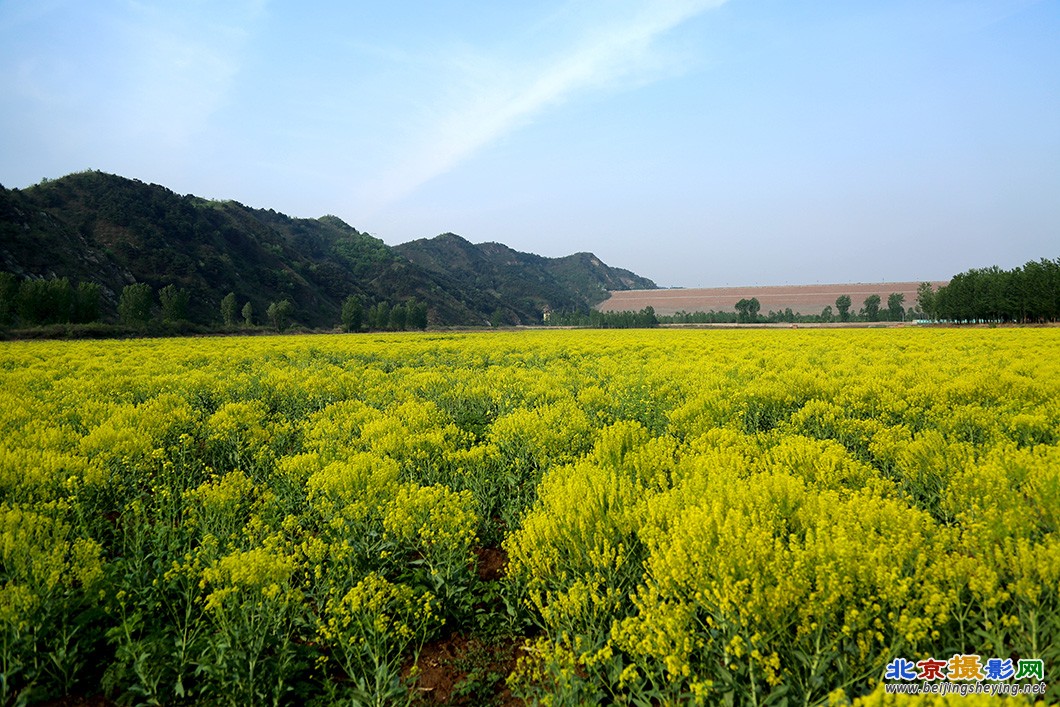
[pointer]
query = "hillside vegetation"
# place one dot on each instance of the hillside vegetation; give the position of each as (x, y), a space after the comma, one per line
(110, 232)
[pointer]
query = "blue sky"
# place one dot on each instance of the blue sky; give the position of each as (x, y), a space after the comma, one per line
(696, 142)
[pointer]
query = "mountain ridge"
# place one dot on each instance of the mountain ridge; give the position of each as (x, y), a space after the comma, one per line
(114, 231)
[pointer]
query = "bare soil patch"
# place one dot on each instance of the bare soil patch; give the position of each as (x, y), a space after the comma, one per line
(461, 669)
(79, 701)
(458, 670)
(492, 563)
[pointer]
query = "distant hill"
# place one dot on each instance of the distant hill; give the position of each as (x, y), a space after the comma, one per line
(114, 231)
(517, 286)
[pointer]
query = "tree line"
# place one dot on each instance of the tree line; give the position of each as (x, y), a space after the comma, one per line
(381, 316)
(645, 318)
(354, 315)
(748, 311)
(51, 301)
(1024, 295)
(1029, 294)
(39, 302)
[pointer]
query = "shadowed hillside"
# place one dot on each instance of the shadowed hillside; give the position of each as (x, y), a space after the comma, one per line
(113, 231)
(518, 286)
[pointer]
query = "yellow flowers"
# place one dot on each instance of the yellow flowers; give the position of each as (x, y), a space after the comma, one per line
(376, 610)
(44, 553)
(17, 602)
(434, 520)
(688, 516)
(263, 570)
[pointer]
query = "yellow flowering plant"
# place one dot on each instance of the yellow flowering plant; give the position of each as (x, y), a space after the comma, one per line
(685, 516)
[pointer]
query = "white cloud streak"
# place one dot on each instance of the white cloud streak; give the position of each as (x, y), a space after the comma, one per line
(498, 99)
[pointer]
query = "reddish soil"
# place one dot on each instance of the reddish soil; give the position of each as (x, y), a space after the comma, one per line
(802, 299)
(492, 563)
(467, 671)
(79, 701)
(438, 675)
(462, 670)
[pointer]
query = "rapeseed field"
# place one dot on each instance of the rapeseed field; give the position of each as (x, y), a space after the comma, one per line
(689, 517)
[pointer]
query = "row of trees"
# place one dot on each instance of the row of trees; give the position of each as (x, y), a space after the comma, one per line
(381, 316)
(136, 306)
(35, 302)
(355, 316)
(51, 301)
(748, 312)
(39, 302)
(710, 317)
(1026, 295)
(871, 310)
(645, 318)
(278, 314)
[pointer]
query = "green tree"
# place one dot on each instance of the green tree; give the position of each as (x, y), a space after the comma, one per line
(44, 301)
(1030, 293)
(174, 302)
(747, 310)
(229, 309)
(842, 305)
(753, 307)
(872, 308)
(134, 305)
(279, 314)
(86, 300)
(925, 299)
(248, 314)
(418, 315)
(743, 310)
(8, 297)
(379, 316)
(352, 314)
(826, 314)
(894, 306)
(398, 317)
(1037, 291)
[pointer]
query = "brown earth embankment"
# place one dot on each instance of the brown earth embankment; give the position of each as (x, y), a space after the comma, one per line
(801, 299)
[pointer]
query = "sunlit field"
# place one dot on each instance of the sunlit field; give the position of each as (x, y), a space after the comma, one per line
(686, 516)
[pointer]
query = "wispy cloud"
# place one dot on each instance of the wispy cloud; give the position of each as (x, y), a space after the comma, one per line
(496, 97)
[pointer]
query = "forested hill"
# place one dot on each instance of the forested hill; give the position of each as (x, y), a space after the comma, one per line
(522, 282)
(92, 227)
